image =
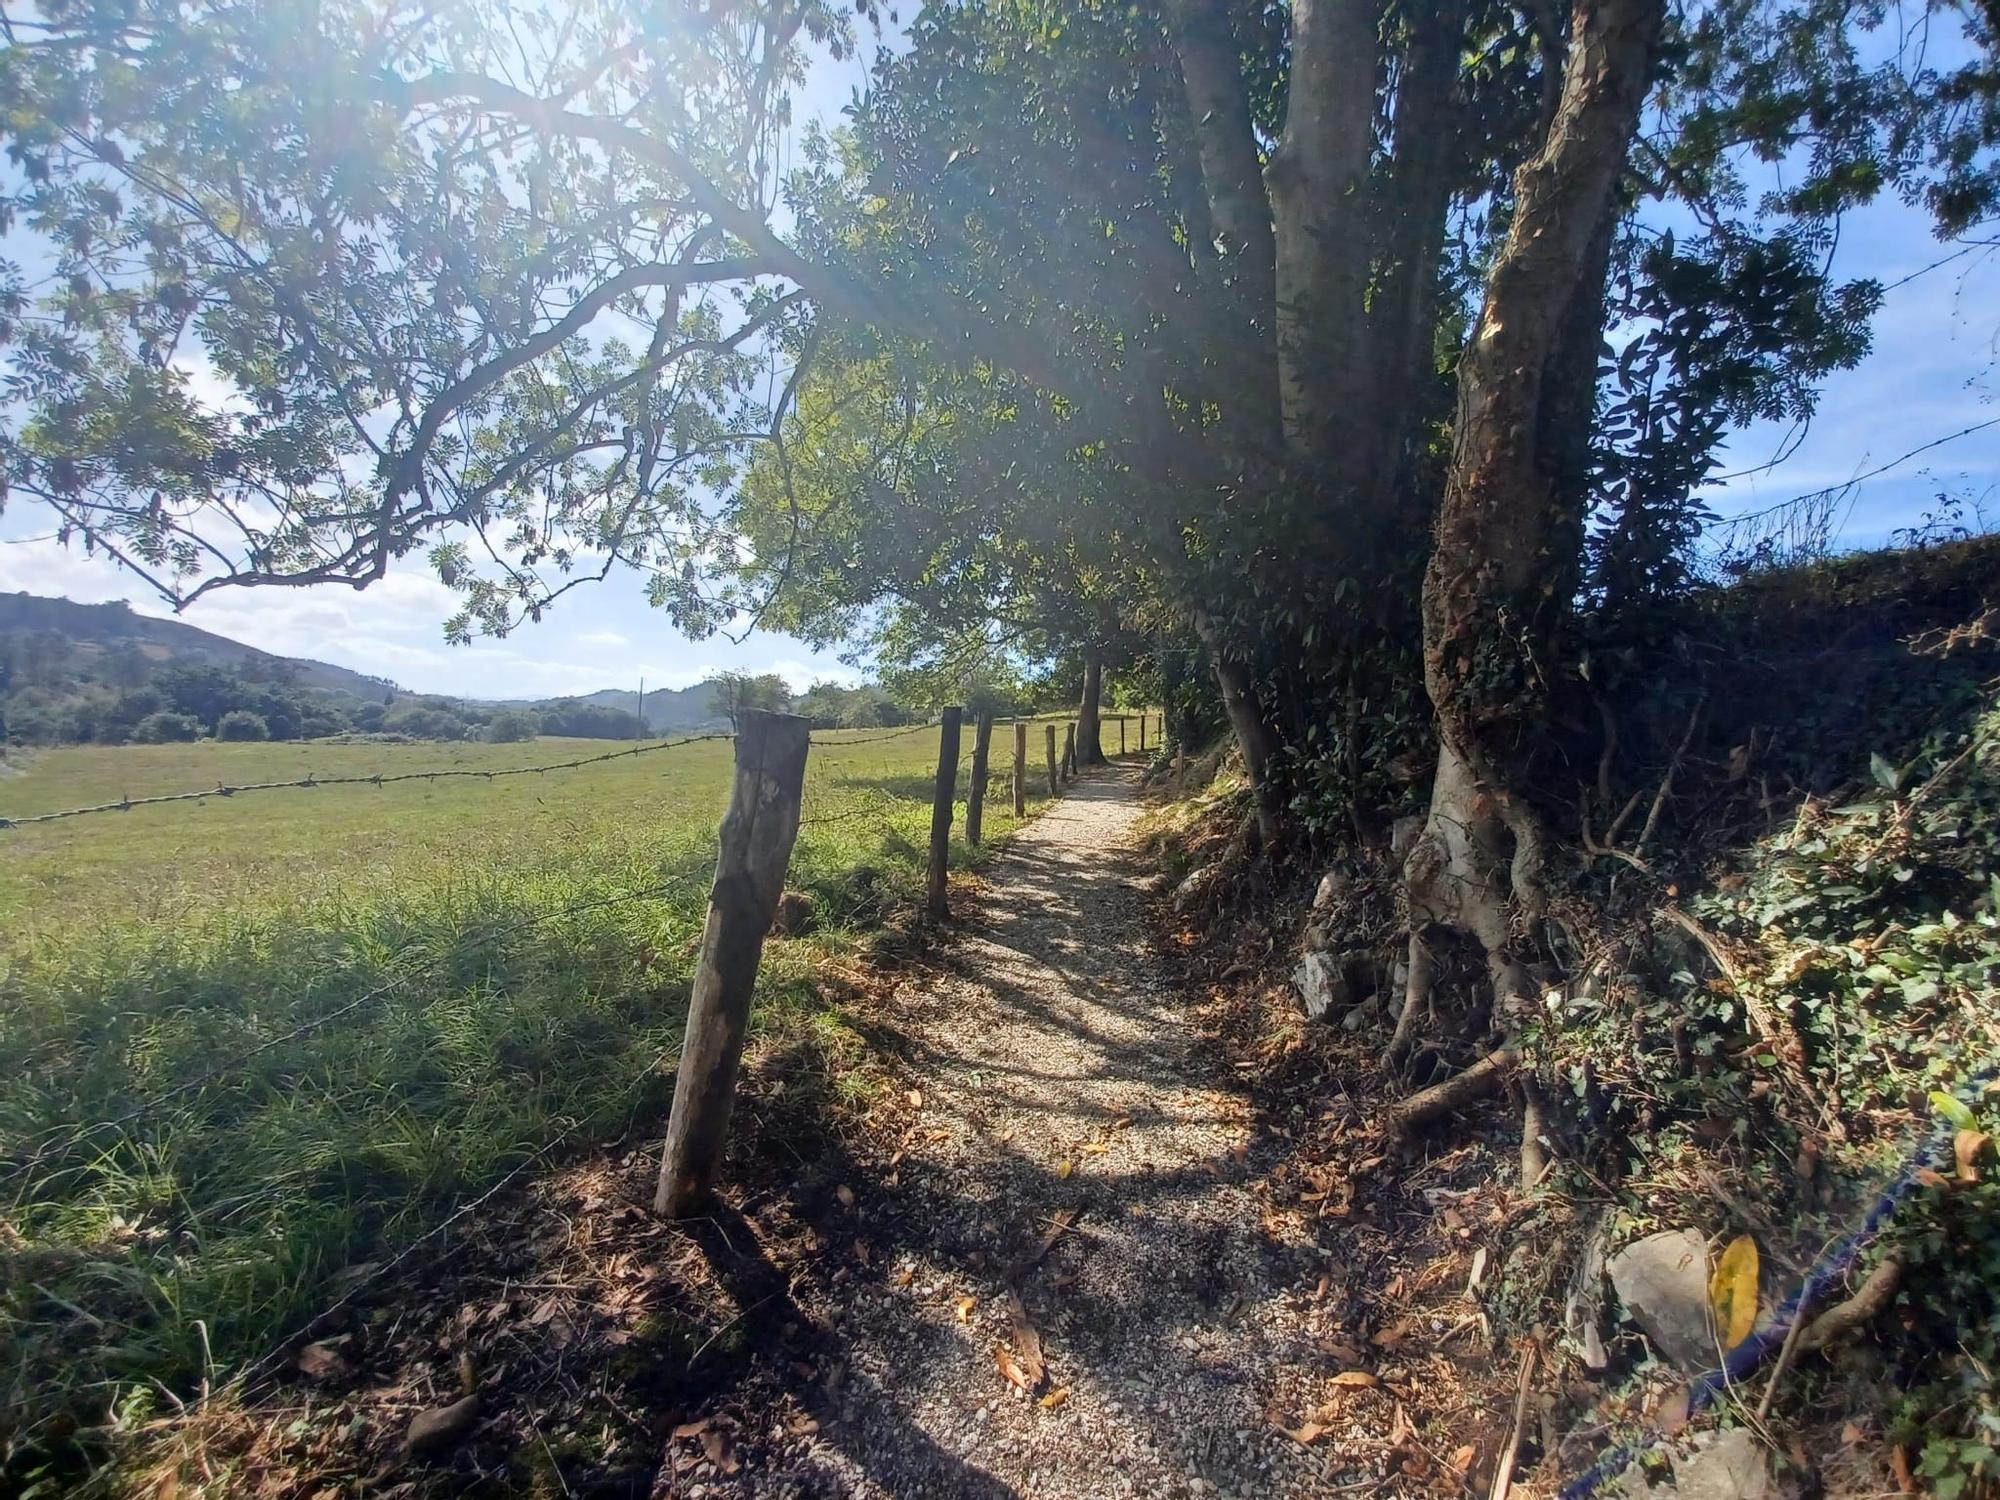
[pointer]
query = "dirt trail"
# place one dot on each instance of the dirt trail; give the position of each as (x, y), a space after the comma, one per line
(1170, 1316)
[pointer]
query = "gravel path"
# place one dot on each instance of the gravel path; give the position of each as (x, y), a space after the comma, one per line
(1056, 1074)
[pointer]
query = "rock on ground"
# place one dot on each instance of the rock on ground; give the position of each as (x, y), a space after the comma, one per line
(1663, 1282)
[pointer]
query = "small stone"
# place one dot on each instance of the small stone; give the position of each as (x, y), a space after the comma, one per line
(1365, 1014)
(1733, 1466)
(1663, 1282)
(1322, 985)
(1334, 888)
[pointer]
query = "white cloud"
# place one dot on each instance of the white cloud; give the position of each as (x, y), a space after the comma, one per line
(602, 638)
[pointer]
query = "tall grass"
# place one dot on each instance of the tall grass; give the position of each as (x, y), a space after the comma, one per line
(250, 1046)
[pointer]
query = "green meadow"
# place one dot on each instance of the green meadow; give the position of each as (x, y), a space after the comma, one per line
(250, 1042)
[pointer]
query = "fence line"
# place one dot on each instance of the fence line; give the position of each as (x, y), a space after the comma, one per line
(222, 789)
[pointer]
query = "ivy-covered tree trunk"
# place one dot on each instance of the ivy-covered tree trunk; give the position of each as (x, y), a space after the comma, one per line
(1498, 578)
(1089, 732)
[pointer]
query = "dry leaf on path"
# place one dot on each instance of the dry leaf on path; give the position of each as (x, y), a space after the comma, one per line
(1064, 1168)
(1899, 1460)
(965, 1307)
(323, 1361)
(916, 1098)
(1055, 1398)
(1305, 1434)
(1010, 1370)
(1355, 1378)
(720, 1451)
(845, 1194)
(1027, 1340)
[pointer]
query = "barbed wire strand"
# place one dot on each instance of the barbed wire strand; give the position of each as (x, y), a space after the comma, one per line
(379, 778)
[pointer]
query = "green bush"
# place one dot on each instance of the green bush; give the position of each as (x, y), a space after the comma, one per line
(164, 728)
(241, 724)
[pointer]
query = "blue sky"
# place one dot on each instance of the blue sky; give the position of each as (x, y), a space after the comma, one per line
(1935, 370)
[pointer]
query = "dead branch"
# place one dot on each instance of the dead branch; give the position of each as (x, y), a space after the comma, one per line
(1864, 1305)
(1503, 1473)
(1484, 1077)
(1667, 781)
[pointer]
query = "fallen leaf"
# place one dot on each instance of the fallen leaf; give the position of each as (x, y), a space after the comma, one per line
(1732, 1292)
(1055, 1398)
(1967, 1147)
(1006, 1135)
(720, 1451)
(1932, 1179)
(692, 1429)
(1347, 1354)
(1306, 1434)
(1671, 1415)
(1122, 1122)
(802, 1426)
(1394, 1334)
(861, 1252)
(1010, 1371)
(1065, 1167)
(905, 1276)
(845, 1194)
(1094, 1148)
(1325, 1286)
(323, 1361)
(1355, 1378)
(1850, 1434)
(1027, 1341)
(1400, 1428)
(1899, 1460)
(965, 1307)
(1462, 1457)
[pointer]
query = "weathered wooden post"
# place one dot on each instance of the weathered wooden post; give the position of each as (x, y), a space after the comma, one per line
(1121, 734)
(1020, 768)
(1142, 734)
(975, 795)
(1054, 785)
(756, 847)
(1069, 752)
(941, 800)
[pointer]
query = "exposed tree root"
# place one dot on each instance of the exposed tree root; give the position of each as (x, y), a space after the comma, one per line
(1868, 1301)
(1534, 1155)
(1484, 1077)
(1416, 993)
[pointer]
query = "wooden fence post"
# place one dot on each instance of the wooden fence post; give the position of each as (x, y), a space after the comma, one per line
(1069, 752)
(975, 794)
(1020, 768)
(1054, 785)
(1142, 734)
(1121, 734)
(756, 848)
(941, 800)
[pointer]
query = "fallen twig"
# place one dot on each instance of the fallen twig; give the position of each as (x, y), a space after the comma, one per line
(1503, 1473)
(1844, 1317)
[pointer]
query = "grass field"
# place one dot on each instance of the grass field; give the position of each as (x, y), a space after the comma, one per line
(250, 1043)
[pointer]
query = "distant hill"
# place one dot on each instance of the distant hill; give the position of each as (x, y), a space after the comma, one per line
(97, 630)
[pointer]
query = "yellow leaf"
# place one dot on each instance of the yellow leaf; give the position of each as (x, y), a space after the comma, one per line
(1732, 1292)
(1354, 1377)
(1067, 1166)
(965, 1306)
(1055, 1398)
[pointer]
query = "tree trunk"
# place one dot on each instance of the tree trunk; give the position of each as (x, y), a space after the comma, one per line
(975, 792)
(1246, 719)
(1494, 585)
(1089, 732)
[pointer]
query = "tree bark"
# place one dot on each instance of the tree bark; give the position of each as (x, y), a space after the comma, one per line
(756, 849)
(1493, 586)
(1089, 720)
(1246, 720)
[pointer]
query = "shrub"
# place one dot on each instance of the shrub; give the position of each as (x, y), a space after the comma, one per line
(241, 724)
(165, 728)
(511, 725)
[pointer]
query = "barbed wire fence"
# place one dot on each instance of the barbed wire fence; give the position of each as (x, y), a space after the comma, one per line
(22, 1161)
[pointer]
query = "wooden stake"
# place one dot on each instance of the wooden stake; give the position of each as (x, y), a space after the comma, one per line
(941, 800)
(1020, 768)
(756, 849)
(975, 794)
(1054, 785)
(1069, 752)
(1142, 734)
(1121, 734)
